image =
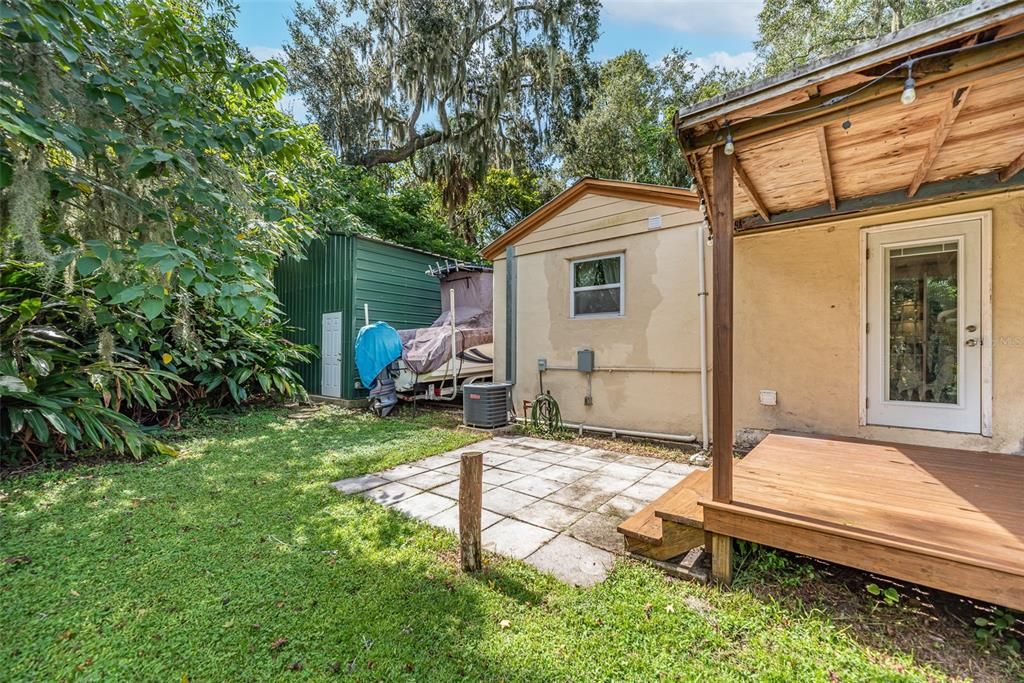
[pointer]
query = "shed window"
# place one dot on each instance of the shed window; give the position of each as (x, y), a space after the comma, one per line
(597, 286)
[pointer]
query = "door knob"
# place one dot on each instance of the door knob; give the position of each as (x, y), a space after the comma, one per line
(972, 328)
(971, 342)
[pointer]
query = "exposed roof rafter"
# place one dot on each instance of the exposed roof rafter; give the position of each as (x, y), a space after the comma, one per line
(1014, 167)
(748, 188)
(954, 105)
(826, 167)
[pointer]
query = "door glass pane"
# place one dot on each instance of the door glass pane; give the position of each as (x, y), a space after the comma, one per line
(923, 325)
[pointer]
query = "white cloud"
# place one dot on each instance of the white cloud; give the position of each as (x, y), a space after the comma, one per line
(734, 17)
(264, 52)
(740, 60)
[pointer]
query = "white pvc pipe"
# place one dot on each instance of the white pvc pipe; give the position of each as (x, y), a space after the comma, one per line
(702, 297)
(455, 365)
(366, 314)
(681, 438)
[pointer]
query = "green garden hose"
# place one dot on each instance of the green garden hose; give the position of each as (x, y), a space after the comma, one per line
(545, 413)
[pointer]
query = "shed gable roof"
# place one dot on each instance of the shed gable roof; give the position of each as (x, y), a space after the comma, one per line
(655, 194)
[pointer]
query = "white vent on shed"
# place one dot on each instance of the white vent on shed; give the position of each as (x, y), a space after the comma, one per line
(654, 222)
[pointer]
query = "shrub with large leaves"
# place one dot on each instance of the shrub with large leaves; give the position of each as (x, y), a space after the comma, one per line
(146, 193)
(57, 394)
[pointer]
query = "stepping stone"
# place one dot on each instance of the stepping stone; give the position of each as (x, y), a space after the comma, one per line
(429, 479)
(642, 461)
(549, 456)
(549, 515)
(600, 530)
(360, 483)
(566, 475)
(492, 459)
(603, 456)
(666, 480)
(435, 461)
(514, 451)
(449, 519)
(622, 507)
(534, 486)
(580, 463)
(627, 472)
(531, 442)
(568, 448)
(573, 561)
(644, 491)
(524, 465)
(499, 477)
(424, 506)
(505, 502)
(584, 496)
(515, 539)
(401, 472)
(682, 469)
(391, 493)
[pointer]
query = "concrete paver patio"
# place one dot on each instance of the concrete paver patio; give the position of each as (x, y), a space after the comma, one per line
(550, 503)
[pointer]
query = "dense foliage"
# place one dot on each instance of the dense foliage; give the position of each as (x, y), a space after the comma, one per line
(627, 132)
(792, 32)
(145, 199)
(388, 78)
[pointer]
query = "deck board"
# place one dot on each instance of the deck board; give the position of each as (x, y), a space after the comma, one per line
(941, 517)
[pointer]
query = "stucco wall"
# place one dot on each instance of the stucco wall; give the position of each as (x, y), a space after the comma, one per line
(797, 323)
(652, 350)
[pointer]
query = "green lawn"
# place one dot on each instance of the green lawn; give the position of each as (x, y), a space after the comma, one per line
(235, 561)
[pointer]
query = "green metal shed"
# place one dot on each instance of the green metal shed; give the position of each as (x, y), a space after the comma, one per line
(323, 297)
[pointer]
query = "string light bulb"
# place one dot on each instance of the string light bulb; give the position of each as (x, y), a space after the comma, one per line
(729, 146)
(909, 91)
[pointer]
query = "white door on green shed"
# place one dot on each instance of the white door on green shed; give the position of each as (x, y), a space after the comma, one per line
(926, 323)
(330, 355)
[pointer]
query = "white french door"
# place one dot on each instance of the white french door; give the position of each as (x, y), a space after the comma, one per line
(926, 319)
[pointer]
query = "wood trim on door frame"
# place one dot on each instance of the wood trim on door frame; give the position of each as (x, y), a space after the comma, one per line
(985, 217)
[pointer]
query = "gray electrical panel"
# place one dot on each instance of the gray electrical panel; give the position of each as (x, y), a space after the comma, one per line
(585, 360)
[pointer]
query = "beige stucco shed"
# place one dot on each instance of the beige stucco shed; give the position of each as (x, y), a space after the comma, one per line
(610, 267)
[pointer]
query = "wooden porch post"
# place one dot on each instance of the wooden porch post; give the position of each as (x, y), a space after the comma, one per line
(722, 429)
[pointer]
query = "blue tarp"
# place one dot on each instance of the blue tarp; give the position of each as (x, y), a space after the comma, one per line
(377, 346)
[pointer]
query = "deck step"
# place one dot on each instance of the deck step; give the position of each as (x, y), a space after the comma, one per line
(650, 533)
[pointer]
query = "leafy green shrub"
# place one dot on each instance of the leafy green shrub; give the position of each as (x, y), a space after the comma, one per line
(146, 193)
(57, 394)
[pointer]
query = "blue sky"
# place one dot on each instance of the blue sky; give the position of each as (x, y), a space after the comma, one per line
(716, 32)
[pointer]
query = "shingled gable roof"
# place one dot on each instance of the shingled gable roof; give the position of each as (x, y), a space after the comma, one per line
(656, 194)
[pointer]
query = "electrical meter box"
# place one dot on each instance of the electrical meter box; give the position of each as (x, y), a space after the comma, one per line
(585, 360)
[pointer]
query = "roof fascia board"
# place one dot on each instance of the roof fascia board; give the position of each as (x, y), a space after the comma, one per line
(944, 27)
(655, 194)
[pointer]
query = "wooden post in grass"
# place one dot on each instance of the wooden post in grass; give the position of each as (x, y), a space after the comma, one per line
(471, 483)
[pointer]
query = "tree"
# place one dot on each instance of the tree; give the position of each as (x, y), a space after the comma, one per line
(495, 205)
(627, 133)
(386, 79)
(144, 199)
(793, 32)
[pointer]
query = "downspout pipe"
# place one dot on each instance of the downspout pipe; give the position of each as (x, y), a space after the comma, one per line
(511, 313)
(702, 298)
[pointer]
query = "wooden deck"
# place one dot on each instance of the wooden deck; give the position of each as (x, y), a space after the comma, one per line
(948, 519)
